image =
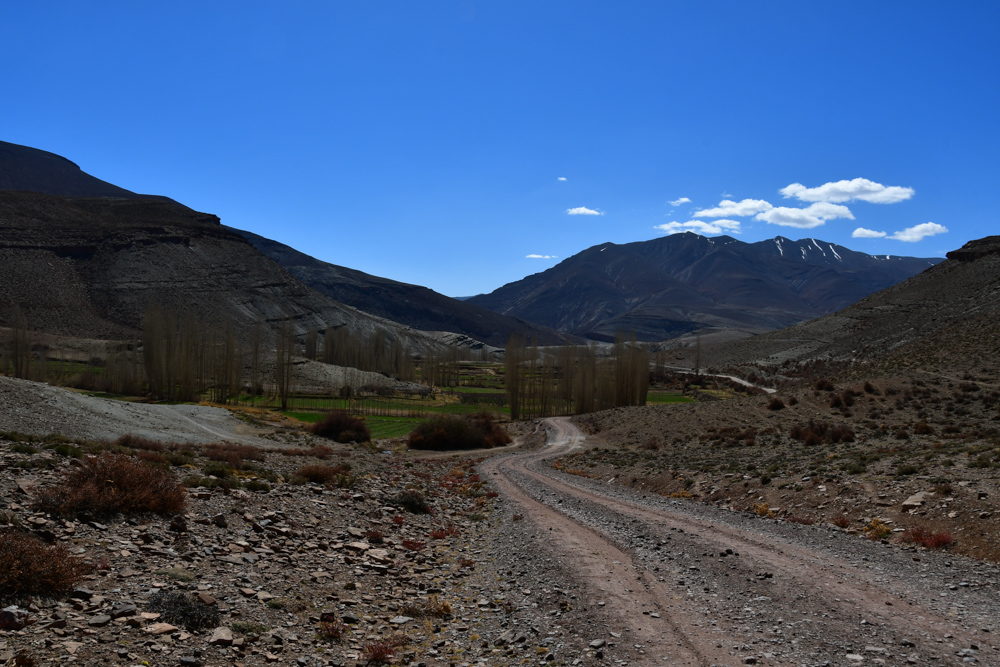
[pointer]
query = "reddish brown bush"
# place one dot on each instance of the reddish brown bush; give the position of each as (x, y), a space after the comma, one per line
(776, 404)
(815, 433)
(333, 630)
(29, 567)
(321, 452)
(233, 455)
(318, 474)
(841, 521)
(923, 428)
(111, 483)
(375, 536)
(413, 545)
(927, 538)
(342, 427)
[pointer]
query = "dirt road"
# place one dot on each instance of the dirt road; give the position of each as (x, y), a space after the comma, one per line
(698, 585)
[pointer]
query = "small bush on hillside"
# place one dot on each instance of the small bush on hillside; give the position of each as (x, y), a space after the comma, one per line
(181, 609)
(926, 538)
(340, 426)
(322, 474)
(776, 404)
(233, 455)
(111, 483)
(818, 433)
(450, 433)
(29, 567)
(411, 501)
(138, 442)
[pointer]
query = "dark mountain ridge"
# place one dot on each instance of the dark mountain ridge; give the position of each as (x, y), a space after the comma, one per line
(681, 283)
(32, 170)
(412, 305)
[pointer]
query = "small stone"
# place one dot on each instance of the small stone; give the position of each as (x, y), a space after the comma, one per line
(221, 636)
(400, 620)
(598, 643)
(160, 628)
(99, 621)
(205, 598)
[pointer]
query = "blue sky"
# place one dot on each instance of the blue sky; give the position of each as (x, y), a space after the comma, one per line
(424, 142)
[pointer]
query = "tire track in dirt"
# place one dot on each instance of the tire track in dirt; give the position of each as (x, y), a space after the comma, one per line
(806, 577)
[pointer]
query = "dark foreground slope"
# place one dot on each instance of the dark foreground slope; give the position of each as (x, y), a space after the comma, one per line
(946, 317)
(673, 285)
(412, 305)
(88, 267)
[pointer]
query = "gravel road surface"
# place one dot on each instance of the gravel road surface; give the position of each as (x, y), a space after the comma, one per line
(699, 585)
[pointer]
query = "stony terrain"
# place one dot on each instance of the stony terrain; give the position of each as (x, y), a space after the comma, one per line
(452, 586)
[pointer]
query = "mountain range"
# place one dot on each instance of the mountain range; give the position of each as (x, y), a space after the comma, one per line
(670, 286)
(84, 257)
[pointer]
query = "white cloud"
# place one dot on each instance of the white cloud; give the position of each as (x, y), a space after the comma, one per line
(813, 215)
(919, 232)
(862, 233)
(678, 202)
(561, 178)
(540, 257)
(732, 209)
(701, 227)
(583, 210)
(844, 191)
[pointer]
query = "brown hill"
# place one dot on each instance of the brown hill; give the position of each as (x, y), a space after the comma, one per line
(412, 305)
(89, 266)
(946, 318)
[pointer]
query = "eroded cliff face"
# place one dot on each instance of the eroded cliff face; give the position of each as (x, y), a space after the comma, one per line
(89, 266)
(973, 250)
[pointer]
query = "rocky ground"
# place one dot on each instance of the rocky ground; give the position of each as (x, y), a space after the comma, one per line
(922, 451)
(448, 587)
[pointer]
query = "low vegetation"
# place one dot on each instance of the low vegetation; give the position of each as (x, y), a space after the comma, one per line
(110, 484)
(340, 426)
(477, 431)
(29, 567)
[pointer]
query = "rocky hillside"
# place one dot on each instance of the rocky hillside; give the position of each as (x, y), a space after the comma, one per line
(673, 285)
(89, 266)
(412, 305)
(947, 316)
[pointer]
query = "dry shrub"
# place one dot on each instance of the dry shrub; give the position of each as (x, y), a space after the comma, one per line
(824, 385)
(233, 455)
(841, 521)
(340, 426)
(776, 404)
(816, 433)
(29, 567)
(877, 530)
(926, 538)
(319, 474)
(333, 630)
(138, 442)
(923, 428)
(111, 483)
(476, 431)
(413, 545)
(375, 536)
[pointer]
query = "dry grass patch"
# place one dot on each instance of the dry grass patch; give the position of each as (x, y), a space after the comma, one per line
(111, 484)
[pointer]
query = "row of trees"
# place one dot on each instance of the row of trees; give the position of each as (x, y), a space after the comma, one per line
(574, 379)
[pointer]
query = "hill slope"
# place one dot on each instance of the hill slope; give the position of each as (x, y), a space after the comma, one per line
(413, 305)
(33, 170)
(673, 285)
(88, 267)
(946, 316)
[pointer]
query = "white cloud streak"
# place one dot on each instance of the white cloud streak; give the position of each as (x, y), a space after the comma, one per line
(533, 256)
(919, 232)
(862, 233)
(561, 178)
(813, 215)
(732, 209)
(701, 227)
(583, 210)
(678, 202)
(860, 189)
